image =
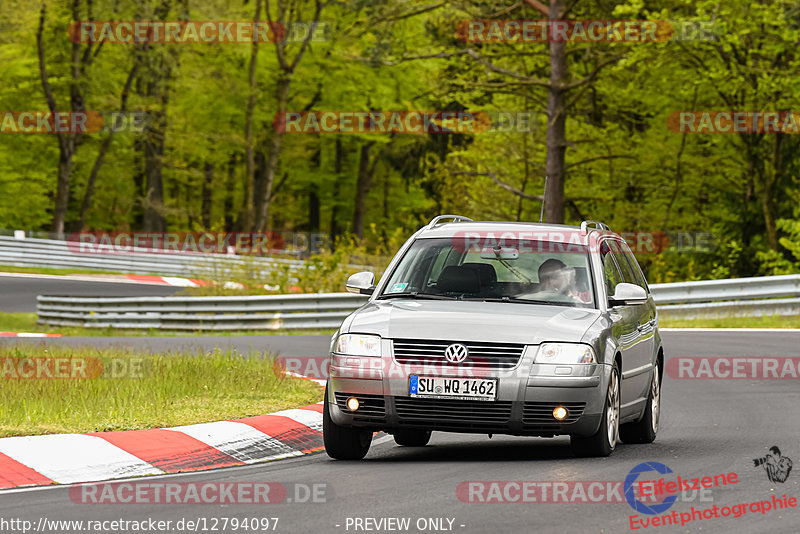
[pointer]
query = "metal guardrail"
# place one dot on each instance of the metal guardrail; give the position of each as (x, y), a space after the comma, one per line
(731, 289)
(734, 297)
(268, 312)
(31, 252)
(742, 297)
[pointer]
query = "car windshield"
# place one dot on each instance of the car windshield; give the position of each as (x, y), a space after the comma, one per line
(522, 271)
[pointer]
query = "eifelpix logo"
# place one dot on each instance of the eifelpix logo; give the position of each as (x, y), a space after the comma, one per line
(777, 467)
(630, 482)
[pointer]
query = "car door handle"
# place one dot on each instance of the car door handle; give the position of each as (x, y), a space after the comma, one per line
(649, 324)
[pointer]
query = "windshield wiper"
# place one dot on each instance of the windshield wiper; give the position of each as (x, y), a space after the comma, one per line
(518, 300)
(415, 295)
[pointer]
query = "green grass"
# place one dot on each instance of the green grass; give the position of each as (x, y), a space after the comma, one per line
(26, 322)
(170, 389)
(767, 321)
(50, 270)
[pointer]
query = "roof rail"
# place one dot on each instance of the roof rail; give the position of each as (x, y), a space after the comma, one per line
(456, 218)
(597, 225)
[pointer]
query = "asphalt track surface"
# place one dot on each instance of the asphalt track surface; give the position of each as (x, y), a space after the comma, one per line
(18, 294)
(708, 427)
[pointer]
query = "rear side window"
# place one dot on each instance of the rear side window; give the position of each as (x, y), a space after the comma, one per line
(625, 268)
(611, 273)
(636, 271)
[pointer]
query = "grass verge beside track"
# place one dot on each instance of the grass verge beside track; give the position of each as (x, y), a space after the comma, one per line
(26, 322)
(119, 389)
(53, 271)
(768, 321)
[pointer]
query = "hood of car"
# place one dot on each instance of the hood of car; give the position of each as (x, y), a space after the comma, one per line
(472, 321)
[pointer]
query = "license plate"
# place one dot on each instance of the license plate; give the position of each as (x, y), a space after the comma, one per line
(484, 389)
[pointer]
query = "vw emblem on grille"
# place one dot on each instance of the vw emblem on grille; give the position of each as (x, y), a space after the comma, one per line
(456, 353)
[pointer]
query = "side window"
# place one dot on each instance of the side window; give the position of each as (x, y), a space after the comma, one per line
(611, 274)
(625, 267)
(637, 271)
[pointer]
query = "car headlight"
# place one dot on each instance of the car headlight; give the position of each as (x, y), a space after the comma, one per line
(564, 353)
(358, 345)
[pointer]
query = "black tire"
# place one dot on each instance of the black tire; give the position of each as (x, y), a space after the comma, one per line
(412, 438)
(343, 443)
(645, 430)
(604, 441)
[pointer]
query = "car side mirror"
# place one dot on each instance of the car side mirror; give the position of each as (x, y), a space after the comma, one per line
(628, 294)
(361, 283)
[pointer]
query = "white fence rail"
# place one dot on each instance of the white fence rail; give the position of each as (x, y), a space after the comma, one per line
(742, 297)
(268, 312)
(31, 252)
(735, 297)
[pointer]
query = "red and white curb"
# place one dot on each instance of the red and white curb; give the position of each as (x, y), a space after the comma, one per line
(73, 458)
(165, 280)
(116, 279)
(174, 281)
(27, 334)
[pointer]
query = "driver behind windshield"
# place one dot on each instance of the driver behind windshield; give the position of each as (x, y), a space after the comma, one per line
(555, 276)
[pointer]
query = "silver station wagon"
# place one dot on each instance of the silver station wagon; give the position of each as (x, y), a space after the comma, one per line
(499, 328)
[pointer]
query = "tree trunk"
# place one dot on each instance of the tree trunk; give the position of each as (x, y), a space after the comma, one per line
(313, 209)
(363, 185)
(88, 195)
(282, 99)
(154, 79)
(65, 152)
(248, 208)
(229, 190)
(337, 194)
(208, 182)
(556, 124)
(314, 206)
(286, 69)
(68, 141)
(154, 220)
(767, 200)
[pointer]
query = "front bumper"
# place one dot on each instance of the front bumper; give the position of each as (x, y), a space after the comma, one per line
(526, 397)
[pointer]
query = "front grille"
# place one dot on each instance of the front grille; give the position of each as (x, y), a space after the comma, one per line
(372, 408)
(541, 413)
(495, 356)
(445, 413)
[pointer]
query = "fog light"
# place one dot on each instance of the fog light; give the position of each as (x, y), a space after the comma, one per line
(352, 404)
(560, 413)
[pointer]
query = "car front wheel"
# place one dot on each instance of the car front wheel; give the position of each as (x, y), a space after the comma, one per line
(343, 443)
(603, 442)
(645, 430)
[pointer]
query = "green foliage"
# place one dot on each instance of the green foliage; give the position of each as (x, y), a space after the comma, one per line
(624, 164)
(324, 272)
